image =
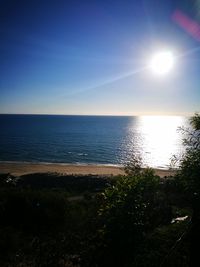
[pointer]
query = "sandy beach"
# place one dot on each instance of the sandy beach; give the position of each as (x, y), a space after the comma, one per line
(18, 169)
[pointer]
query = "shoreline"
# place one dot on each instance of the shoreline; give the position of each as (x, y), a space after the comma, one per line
(22, 168)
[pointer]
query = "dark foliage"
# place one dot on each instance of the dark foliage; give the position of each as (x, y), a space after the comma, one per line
(49, 225)
(77, 183)
(130, 210)
(188, 178)
(188, 175)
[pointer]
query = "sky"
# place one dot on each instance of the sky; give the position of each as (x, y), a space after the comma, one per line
(91, 57)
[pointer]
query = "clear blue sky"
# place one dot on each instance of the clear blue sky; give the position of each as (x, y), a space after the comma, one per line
(76, 57)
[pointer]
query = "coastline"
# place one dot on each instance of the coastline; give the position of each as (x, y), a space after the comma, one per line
(22, 168)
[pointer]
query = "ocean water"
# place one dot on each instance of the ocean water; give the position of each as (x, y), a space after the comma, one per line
(111, 140)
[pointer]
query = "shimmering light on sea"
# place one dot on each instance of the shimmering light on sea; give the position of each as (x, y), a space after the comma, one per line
(155, 139)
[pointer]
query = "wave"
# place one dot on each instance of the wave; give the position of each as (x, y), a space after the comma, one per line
(63, 163)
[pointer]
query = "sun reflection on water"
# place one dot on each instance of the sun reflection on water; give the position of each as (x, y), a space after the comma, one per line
(155, 139)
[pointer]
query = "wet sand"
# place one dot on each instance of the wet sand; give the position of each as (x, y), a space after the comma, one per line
(18, 169)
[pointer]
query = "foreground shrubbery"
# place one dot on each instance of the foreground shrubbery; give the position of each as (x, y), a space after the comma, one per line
(188, 178)
(122, 225)
(43, 228)
(131, 209)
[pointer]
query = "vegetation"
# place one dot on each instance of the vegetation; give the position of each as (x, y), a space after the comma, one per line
(107, 224)
(90, 221)
(130, 210)
(189, 171)
(188, 179)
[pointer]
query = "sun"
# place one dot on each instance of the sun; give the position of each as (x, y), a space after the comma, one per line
(162, 62)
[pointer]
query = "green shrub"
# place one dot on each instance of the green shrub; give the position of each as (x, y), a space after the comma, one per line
(130, 209)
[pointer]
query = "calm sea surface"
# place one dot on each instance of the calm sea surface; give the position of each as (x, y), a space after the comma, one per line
(90, 139)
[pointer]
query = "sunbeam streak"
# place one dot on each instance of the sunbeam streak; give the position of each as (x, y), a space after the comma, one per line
(110, 81)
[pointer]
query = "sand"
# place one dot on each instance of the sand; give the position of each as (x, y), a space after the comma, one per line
(18, 169)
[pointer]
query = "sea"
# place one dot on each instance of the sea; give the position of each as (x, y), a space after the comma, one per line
(83, 140)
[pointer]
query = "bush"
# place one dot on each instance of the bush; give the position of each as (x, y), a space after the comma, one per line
(189, 172)
(189, 178)
(130, 209)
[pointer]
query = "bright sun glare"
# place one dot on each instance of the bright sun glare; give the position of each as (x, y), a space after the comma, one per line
(162, 62)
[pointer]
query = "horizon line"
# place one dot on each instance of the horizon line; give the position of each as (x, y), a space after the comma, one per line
(105, 115)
